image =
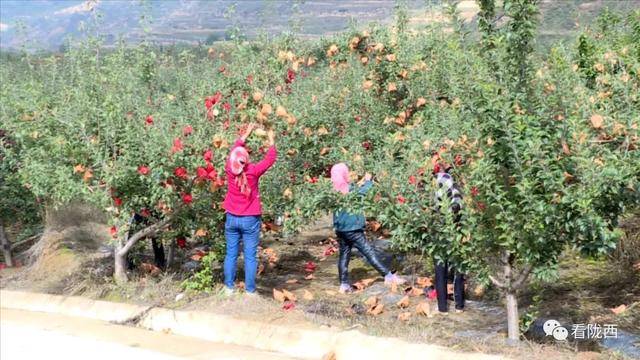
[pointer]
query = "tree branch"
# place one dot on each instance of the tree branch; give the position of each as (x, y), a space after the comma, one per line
(497, 282)
(150, 230)
(522, 277)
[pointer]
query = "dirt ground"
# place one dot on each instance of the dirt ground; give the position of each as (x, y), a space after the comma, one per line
(585, 292)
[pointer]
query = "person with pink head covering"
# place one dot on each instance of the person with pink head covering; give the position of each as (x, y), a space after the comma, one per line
(350, 230)
(244, 209)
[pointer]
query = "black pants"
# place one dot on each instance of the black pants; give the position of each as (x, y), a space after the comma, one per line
(347, 241)
(442, 276)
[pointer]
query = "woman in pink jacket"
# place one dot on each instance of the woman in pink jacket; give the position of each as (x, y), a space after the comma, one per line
(244, 209)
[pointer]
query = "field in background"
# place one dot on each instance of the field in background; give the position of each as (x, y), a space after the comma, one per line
(45, 24)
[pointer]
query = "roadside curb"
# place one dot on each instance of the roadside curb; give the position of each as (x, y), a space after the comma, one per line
(69, 305)
(292, 341)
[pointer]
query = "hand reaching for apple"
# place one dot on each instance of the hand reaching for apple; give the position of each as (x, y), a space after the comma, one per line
(248, 131)
(271, 135)
(367, 177)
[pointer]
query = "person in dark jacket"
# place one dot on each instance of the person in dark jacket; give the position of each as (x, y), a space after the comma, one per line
(448, 194)
(350, 230)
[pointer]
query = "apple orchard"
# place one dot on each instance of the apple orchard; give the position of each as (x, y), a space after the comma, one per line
(543, 143)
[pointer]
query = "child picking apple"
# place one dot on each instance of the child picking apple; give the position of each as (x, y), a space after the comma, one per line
(350, 230)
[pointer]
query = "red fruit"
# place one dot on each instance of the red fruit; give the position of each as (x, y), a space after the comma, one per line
(458, 160)
(117, 201)
(210, 101)
(145, 212)
(310, 267)
(367, 146)
(149, 120)
(249, 79)
(114, 232)
(221, 68)
(226, 106)
(291, 75)
(225, 124)
(177, 146)
(202, 172)
(401, 199)
(421, 171)
(432, 294)
(181, 172)
(357, 118)
(436, 168)
(143, 170)
(262, 150)
(474, 191)
(288, 306)
(187, 198)
(216, 97)
(212, 174)
(187, 130)
(482, 206)
(313, 179)
(412, 180)
(208, 155)
(329, 251)
(181, 242)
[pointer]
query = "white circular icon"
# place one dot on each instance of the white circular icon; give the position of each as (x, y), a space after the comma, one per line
(549, 325)
(560, 333)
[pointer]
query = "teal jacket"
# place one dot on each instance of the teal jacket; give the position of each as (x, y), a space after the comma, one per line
(344, 221)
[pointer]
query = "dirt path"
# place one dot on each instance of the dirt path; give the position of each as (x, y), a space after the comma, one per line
(479, 329)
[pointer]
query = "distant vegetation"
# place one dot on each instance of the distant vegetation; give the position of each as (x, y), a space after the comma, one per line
(46, 25)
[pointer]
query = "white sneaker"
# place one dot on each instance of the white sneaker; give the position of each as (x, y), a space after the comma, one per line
(228, 291)
(393, 279)
(345, 289)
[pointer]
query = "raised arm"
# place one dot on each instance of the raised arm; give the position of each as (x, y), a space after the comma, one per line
(247, 132)
(365, 183)
(270, 158)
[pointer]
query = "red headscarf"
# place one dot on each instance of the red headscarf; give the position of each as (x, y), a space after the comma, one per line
(238, 161)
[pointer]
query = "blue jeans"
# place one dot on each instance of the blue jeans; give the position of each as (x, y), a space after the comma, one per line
(246, 228)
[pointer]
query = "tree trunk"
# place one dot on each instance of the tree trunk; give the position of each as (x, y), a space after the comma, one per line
(125, 245)
(6, 247)
(513, 320)
(120, 267)
(510, 283)
(158, 253)
(171, 255)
